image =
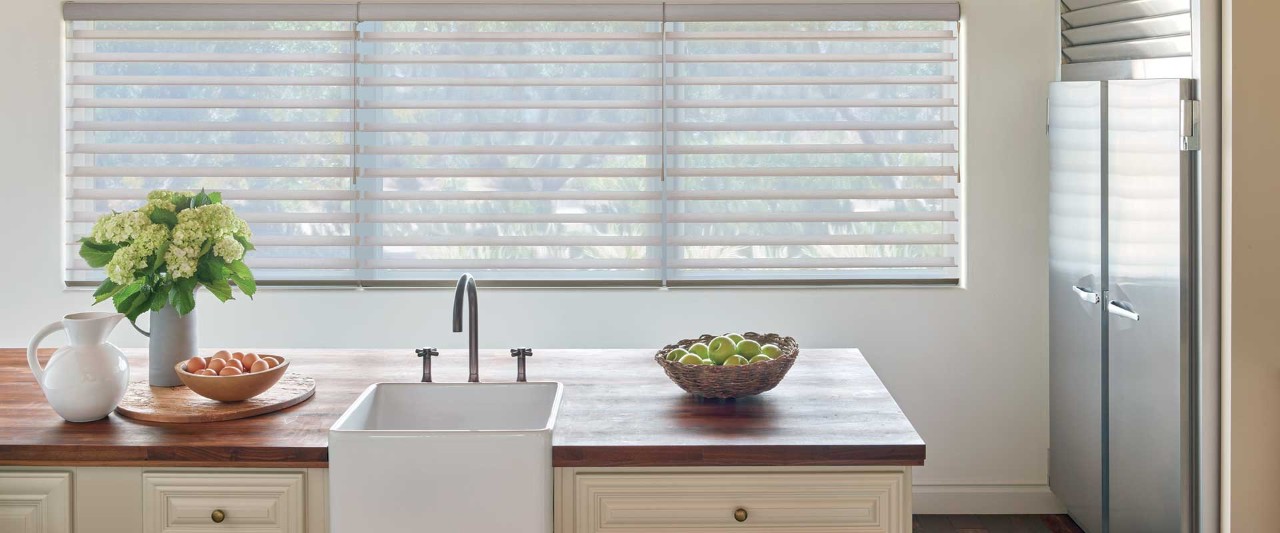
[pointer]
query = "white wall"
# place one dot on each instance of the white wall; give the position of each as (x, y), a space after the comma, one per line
(969, 366)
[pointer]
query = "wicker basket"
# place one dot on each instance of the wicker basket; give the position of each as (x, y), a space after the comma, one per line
(730, 381)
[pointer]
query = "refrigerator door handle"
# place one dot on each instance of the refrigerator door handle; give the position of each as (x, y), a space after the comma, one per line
(1122, 309)
(1086, 294)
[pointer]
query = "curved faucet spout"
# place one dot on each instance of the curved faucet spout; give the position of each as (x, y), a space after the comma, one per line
(467, 288)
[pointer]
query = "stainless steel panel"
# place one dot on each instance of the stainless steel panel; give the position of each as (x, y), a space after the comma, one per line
(1128, 30)
(1149, 217)
(1169, 67)
(1172, 46)
(1076, 277)
(1133, 9)
(1081, 4)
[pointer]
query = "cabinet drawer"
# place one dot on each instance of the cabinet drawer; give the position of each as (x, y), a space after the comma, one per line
(186, 502)
(35, 502)
(812, 502)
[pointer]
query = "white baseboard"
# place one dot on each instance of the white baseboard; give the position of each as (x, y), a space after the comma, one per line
(984, 499)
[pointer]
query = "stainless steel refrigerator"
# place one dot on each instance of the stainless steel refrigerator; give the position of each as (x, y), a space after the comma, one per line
(1122, 303)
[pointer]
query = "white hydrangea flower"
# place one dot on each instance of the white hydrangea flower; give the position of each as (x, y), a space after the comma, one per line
(117, 228)
(214, 225)
(181, 261)
(229, 249)
(133, 257)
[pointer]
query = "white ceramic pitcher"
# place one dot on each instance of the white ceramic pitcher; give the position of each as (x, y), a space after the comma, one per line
(86, 380)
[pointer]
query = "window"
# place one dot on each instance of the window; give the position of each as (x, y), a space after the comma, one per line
(400, 144)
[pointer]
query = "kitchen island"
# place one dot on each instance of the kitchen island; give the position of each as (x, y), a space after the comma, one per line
(828, 446)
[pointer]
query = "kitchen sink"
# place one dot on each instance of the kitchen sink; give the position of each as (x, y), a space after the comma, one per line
(444, 457)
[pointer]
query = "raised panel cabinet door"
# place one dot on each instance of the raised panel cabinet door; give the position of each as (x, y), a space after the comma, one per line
(35, 502)
(195, 502)
(860, 502)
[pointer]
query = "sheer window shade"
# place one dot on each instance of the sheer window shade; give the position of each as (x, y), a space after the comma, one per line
(406, 149)
(812, 150)
(521, 150)
(261, 111)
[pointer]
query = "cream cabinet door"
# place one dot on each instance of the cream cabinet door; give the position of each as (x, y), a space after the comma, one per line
(714, 502)
(198, 502)
(35, 502)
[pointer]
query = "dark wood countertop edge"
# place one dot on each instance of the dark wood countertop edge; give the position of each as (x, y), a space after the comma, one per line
(196, 456)
(562, 456)
(738, 455)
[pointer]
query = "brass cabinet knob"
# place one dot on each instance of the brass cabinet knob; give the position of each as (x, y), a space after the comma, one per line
(740, 515)
(218, 516)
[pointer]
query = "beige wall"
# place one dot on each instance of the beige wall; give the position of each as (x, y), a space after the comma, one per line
(1250, 257)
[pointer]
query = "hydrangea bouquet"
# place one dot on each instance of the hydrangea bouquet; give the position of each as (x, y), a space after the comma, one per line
(158, 254)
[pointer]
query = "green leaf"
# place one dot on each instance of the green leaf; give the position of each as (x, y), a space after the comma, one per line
(133, 299)
(97, 254)
(139, 303)
(244, 241)
(243, 277)
(121, 298)
(182, 295)
(220, 288)
(159, 299)
(211, 268)
(106, 290)
(181, 202)
(164, 216)
(201, 199)
(215, 197)
(158, 260)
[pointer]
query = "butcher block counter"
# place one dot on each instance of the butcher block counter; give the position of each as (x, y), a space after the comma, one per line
(618, 410)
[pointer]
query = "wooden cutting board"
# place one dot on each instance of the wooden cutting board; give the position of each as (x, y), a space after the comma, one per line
(178, 405)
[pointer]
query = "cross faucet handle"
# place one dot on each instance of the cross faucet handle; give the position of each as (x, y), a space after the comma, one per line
(426, 354)
(520, 354)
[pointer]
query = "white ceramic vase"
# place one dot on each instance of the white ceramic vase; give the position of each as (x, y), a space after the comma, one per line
(87, 379)
(172, 340)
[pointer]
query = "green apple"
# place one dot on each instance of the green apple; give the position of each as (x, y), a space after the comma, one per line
(748, 348)
(676, 354)
(692, 359)
(736, 360)
(771, 350)
(761, 358)
(736, 338)
(701, 349)
(721, 349)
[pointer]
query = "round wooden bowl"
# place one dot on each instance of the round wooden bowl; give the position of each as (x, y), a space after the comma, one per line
(232, 388)
(730, 381)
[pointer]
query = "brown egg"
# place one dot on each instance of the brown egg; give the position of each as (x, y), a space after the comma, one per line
(259, 366)
(222, 354)
(249, 360)
(195, 364)
(235, 364)
(207, 372)
(272, 362)
(230, 371)
(217, 365)
(237, 356)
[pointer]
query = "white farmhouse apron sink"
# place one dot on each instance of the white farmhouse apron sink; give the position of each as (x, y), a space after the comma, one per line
(444, 457)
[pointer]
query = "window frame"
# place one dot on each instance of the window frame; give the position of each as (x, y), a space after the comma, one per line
(848, 277)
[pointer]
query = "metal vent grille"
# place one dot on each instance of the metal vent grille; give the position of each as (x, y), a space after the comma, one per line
(1125, 33)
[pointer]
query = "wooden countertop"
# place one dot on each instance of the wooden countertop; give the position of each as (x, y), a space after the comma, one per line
(618, 409)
